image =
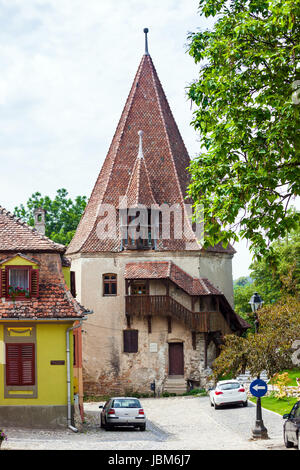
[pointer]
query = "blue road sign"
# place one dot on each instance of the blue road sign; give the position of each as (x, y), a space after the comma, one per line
(258, 388)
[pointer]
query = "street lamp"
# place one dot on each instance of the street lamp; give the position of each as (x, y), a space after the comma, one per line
(259, 431)
(256, 302)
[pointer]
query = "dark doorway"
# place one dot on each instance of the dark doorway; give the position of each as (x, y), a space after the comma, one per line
(176, 364)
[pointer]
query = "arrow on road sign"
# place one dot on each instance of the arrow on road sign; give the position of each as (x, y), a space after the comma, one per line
(258, 387)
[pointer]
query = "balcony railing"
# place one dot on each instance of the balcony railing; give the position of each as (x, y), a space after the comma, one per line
(164, 305)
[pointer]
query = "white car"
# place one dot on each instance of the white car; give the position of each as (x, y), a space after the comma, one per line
(228, 392)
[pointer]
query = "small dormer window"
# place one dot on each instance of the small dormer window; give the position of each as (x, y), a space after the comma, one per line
(19, 278)
(19, 282)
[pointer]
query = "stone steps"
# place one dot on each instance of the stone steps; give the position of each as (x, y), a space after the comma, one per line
(247, 379)
(175, 384)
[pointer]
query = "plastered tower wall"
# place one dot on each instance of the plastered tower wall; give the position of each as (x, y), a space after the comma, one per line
(106, 366)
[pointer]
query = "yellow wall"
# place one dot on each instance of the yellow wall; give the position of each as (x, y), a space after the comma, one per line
(66, 273)
(19, 261)
(51, 379)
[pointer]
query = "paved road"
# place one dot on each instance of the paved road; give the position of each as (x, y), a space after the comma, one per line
(181, 423)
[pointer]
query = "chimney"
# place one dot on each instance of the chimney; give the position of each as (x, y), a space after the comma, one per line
(40, 220)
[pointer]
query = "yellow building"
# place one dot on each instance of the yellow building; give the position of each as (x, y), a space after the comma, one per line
(40, 334)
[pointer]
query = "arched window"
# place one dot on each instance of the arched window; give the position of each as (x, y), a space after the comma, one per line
(109, 284)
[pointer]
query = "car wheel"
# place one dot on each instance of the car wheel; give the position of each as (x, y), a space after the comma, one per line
(245, 403)
(211, 403)
(142, 427)
(287, 443)
(217, 407)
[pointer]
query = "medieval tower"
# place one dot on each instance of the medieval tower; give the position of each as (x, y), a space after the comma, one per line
(161, 303)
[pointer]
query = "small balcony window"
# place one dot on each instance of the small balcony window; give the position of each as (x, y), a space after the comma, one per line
(139, 288)
(109, 284)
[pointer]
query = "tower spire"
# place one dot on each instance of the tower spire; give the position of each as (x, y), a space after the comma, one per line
(146, 31)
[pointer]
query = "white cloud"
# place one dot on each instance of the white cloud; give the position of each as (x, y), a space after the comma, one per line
(66, 70)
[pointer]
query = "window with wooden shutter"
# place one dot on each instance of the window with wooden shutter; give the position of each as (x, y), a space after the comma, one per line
(20, 364)
(130, 341)
(19, 282)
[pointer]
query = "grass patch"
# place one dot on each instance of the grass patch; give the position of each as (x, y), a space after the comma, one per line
(280, 406)
(293, 374)
(199, 392)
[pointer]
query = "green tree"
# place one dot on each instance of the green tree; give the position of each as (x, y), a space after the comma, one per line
(62, 214)
(281, 274)
(242, 296)
(272, 278)
(247, 114)
(268, 350)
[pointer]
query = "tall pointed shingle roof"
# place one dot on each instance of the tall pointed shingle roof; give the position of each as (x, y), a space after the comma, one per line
(165, 157)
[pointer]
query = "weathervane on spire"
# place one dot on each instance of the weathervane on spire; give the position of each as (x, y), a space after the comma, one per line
(146, 31)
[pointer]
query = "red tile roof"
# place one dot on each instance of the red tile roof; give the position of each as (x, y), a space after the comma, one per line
(54, 299)
(169, 270)
(16, 235)
(162, 176)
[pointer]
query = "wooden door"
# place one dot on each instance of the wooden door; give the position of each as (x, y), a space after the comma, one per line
(176, 363)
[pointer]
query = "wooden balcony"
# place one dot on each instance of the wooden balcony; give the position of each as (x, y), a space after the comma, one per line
(164, 305)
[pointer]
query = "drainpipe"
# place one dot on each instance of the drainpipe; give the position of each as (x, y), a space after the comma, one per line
(69, 372)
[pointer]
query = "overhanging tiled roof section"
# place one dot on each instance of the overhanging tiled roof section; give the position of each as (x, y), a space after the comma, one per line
(16, 235)
(169, 270)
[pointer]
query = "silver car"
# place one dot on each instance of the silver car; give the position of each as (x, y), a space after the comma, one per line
(122, 411)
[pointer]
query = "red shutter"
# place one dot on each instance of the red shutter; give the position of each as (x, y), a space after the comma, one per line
(34, 282)
(12, 364)
(20, 364)
(3, 292)
(28, 364)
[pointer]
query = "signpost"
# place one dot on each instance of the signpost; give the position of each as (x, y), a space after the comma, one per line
(258, 388)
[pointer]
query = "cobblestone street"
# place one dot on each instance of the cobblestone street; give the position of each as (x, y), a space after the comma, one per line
(181, 423)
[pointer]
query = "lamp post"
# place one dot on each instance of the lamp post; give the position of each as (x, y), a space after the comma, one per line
(259, 431)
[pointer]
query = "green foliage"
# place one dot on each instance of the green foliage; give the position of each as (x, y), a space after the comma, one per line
(62, 214)
(280, 406)
(242, 296)
(247, 115)
(273, 277)
(242, 281)
(268, 350)
(280, 273)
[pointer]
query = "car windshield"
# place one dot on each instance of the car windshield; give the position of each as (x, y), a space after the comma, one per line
(126, 403)
(229, 386)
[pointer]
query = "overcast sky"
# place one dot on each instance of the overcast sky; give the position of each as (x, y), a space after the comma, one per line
(66, 70)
